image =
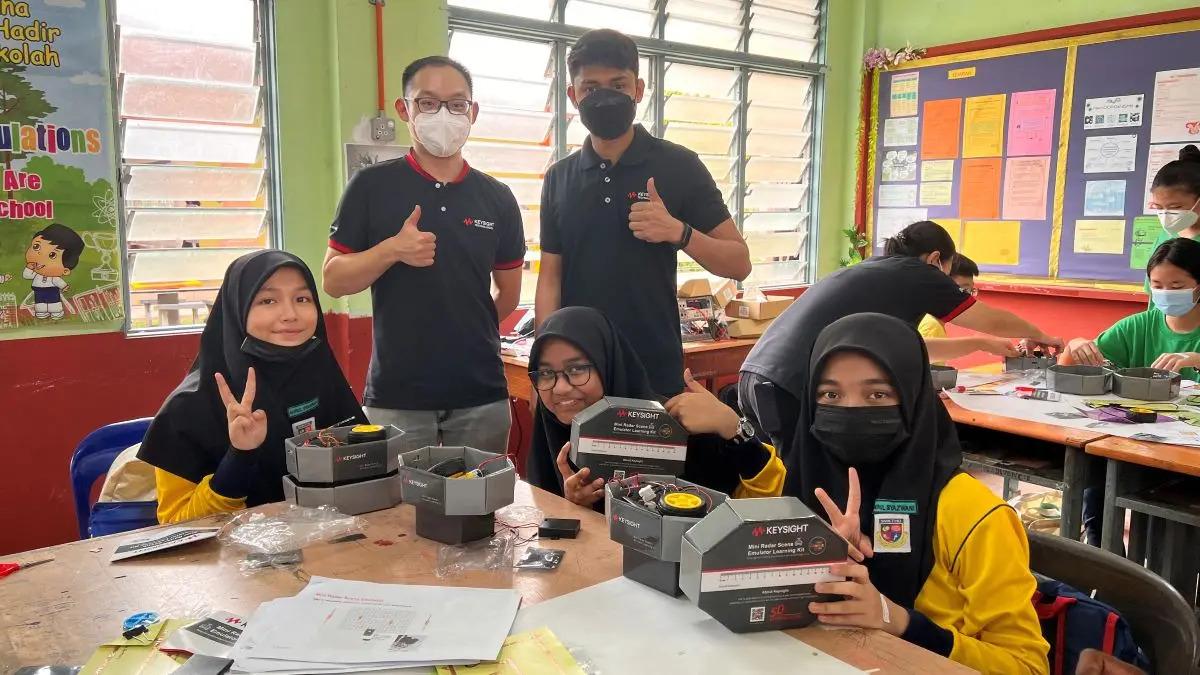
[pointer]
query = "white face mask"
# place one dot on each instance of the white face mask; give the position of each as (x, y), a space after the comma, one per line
(442, 133)
(1175, 221)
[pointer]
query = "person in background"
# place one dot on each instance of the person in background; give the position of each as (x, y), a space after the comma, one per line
(1175, 197)
(579, 358)
(616, 212)
(430, 236)
(264, 373)
(941, 561)
(909, 282)
(963, 271)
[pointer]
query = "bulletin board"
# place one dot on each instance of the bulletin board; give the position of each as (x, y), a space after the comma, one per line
(1036, 157)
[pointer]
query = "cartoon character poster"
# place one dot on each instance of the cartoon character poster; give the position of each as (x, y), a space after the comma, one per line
(59, 245)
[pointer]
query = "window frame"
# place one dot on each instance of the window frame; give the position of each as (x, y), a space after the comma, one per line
(659, 51)
(273, 219)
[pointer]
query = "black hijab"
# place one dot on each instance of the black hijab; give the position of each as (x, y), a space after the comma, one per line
(617, 365)
(190, 435)
(917, 469)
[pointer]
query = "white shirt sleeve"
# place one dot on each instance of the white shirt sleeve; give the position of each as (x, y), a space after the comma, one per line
(57, 281)
(28, 273)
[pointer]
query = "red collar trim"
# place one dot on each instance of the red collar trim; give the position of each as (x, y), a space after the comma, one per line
(416, 166)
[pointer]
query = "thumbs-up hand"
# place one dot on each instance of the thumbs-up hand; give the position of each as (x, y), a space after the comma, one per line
(410, 245)
(701, 412)
(651, 222)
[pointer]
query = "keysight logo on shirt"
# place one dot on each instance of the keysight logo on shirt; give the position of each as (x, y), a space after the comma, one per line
(639, 196)
(481, 224)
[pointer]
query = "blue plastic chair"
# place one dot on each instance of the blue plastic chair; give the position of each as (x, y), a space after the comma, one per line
(92, 459)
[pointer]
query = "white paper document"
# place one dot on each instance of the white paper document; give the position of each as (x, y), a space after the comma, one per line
(1176, 116)
(1110, 154)
(899, 131)
(159, 540)
(1113, 111)
(343, 626)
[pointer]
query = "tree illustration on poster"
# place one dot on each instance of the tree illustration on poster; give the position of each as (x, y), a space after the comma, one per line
(59, 259)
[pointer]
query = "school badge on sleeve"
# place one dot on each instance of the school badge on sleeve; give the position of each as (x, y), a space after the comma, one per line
(892, 533)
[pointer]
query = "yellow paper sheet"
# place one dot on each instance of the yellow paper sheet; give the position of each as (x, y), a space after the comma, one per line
(983, 126)
(936, 194)
(1100, 236)
(538, 652)
(937, 170)
(992, 242)
(138, 656)
(954, 227)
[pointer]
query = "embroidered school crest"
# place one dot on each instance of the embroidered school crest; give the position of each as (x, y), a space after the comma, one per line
(892, 534)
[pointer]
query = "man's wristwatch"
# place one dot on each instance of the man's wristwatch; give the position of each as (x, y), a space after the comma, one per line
(745, 432)
(685, 238)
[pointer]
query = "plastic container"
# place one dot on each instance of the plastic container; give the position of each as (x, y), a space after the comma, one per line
(1079, 380)
(1146, 384)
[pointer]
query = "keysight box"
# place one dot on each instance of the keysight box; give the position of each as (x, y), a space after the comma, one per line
(314, 463)
(630, 435)
(454, 510)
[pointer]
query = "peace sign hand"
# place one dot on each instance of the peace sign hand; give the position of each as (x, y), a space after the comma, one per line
(247, 426)
(847, 523)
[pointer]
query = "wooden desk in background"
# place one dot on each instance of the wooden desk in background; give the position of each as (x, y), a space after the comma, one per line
(58, 613)
(709, 361)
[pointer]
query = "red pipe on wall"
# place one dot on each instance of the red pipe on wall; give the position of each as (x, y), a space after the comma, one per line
(379, 53)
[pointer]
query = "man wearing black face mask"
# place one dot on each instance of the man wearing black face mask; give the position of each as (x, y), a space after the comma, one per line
(615, 213)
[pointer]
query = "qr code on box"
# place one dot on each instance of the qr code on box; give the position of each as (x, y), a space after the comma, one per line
(758, 614)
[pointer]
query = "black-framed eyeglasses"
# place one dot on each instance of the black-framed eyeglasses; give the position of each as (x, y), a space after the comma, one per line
(430, 106)
(577, 375)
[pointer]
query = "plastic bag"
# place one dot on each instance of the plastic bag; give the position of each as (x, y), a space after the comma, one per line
(276, 533)
(485, 554)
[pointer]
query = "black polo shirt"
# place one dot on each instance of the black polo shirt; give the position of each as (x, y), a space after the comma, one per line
(899, 286)
(436, 346)
(585, 218)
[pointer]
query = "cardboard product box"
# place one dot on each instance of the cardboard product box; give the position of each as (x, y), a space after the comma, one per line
(314, 463)
(722, 291)
(363, 496)
(751, 563)
(454, 510)
(747, 328)
(630, 435)
(759, 310)
(651, 541)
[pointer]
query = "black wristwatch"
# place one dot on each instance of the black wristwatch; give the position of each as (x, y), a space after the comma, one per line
(745, 432)
(685, 238)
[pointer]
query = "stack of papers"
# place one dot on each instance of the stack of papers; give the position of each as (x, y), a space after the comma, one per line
(336, 626)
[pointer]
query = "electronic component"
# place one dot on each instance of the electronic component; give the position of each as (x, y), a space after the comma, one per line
(558, 528)
(680, 503)
(366, 432)
(1141, 415)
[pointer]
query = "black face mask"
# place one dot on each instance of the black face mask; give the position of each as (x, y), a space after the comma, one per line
(607, 113)
(266, 351)
(860, 435)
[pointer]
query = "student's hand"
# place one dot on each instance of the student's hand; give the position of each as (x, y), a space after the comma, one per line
(1084, 352)
(701, 412)
(997, 345)
(1095, 662)
(1046, 343)
(863, 606)
(410, 245)
(846, 523)
(247, 426)
(1177, 361)
(651, 222)
(576, 488)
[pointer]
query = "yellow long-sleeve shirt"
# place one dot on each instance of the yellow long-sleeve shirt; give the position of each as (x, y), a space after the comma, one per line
(980, 588)
(768, 482)
(180, 499)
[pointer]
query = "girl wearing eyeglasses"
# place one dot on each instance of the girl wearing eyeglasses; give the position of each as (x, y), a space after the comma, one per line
(579, 358)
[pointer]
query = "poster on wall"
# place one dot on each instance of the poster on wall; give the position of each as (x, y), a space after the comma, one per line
(59, 246)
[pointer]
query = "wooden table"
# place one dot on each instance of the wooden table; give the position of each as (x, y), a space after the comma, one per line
(59, 612)
(1073, 441)
(709, 362)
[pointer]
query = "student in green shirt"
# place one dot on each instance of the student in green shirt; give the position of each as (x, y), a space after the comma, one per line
(1165, 336)
(1175, 197)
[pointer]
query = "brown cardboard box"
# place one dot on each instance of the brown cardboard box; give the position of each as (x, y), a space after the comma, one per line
(722, 291)
(770, 308)
(747, 328)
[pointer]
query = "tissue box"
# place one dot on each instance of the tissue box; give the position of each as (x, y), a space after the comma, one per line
(630, 435)
(651, 541)
(759, 310)
(721, 291)
(747, 328)
(317, 464)
(751, 563)
(454, 510)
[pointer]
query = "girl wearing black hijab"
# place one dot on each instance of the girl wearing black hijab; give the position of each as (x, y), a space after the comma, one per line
(577, 359)
(264, 373)
(944, 563)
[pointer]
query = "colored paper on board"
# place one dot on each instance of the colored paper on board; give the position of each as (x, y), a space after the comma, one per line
(979, 188)
(900, 165)
(994, 242)
(1110, 154)
(1031, 123)
(954, 227)
(898, 195)
(899, 131)
(1026, 180)
(904, 94)
(936, 170)
(1104, 198)
(1111, 112)
(940, 125)
(937, 194)
(1099, 236)
(1145, 233)
(1176, 107)
(983, 126)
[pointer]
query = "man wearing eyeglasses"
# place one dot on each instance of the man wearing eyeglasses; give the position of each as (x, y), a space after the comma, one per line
(430, 236)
